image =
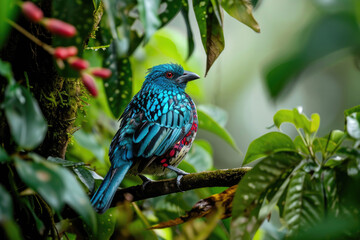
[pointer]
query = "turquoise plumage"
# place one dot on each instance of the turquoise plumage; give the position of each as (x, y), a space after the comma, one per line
(156, 130)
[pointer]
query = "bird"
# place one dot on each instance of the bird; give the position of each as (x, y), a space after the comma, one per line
(157, 129)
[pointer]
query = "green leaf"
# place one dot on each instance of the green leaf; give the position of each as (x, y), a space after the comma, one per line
(353, 125)
(63, 162)
(349, 111)
(6, 205)
(338, 31)
(200, 156)
(106, 224)
(217, 113)
(76, 198)
(268, 144)
(89, 142)
(4, 157)
(299, 120)
(118, 87)
(57, 185)
(80, 15)
(208, 123)
(172, 8)
(5, 71)
(149, 17)
(190, 38)
(253, 188)
(27, 124)
(242, 11)
(331, 190)
(337, 135)
(7, 11)
(304, 205)
(323, 145)
(187, 167)
(44, 180)
(85, 177)
(210, 30)
(300, 145)
(12, 230)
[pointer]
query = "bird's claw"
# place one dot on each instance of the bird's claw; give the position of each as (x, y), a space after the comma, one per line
(180, 173)
(145, 180)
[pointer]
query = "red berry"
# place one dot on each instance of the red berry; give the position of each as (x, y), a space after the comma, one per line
(32, 12)
(59, 27)
(65, 52)
(101, 72)
(72, 51)
(78, 63)
(89, 83)
(60, 52)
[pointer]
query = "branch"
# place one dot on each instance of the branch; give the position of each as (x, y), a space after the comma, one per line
(218, 178)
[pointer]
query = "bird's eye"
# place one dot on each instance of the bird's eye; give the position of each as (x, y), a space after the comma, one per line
(169, 74)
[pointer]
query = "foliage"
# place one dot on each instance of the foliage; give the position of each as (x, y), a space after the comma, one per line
(308, 180)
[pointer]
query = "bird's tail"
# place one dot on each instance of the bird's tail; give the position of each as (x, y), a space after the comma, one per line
(102, 198)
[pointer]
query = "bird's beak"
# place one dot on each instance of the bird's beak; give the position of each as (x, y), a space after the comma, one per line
(187, 76)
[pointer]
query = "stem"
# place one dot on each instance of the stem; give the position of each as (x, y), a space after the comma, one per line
(37, 41)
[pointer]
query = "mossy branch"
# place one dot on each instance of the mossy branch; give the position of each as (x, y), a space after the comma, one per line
(218, 178)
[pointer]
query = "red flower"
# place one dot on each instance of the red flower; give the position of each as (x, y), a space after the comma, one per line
(59, 27)
(101, 72)
(89, 83)
(32, 12)
(78, 63)
(65, 52)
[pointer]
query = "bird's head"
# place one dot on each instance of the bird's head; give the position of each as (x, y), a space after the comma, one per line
(169, 76)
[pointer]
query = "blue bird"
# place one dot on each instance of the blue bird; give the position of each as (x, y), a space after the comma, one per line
(156, 131)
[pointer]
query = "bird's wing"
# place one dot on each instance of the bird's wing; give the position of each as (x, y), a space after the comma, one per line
(154, 138)
(161, 130)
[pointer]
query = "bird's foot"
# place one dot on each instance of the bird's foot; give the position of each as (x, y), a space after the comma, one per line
(180, 173)
(145, 180)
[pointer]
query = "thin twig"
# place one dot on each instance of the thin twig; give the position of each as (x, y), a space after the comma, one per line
(27, 34)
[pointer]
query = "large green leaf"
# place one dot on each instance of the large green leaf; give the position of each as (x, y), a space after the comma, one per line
(208, 123)
(298, 119)
(27, 124)
(353, 125)
(268, 144)
(242, 11)
(57, 185)
(44, 180)
(338, 31)
(76, 198)
(304, 205)
(149, 16)
(253, 188)
(210, 30)
(118, 87)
